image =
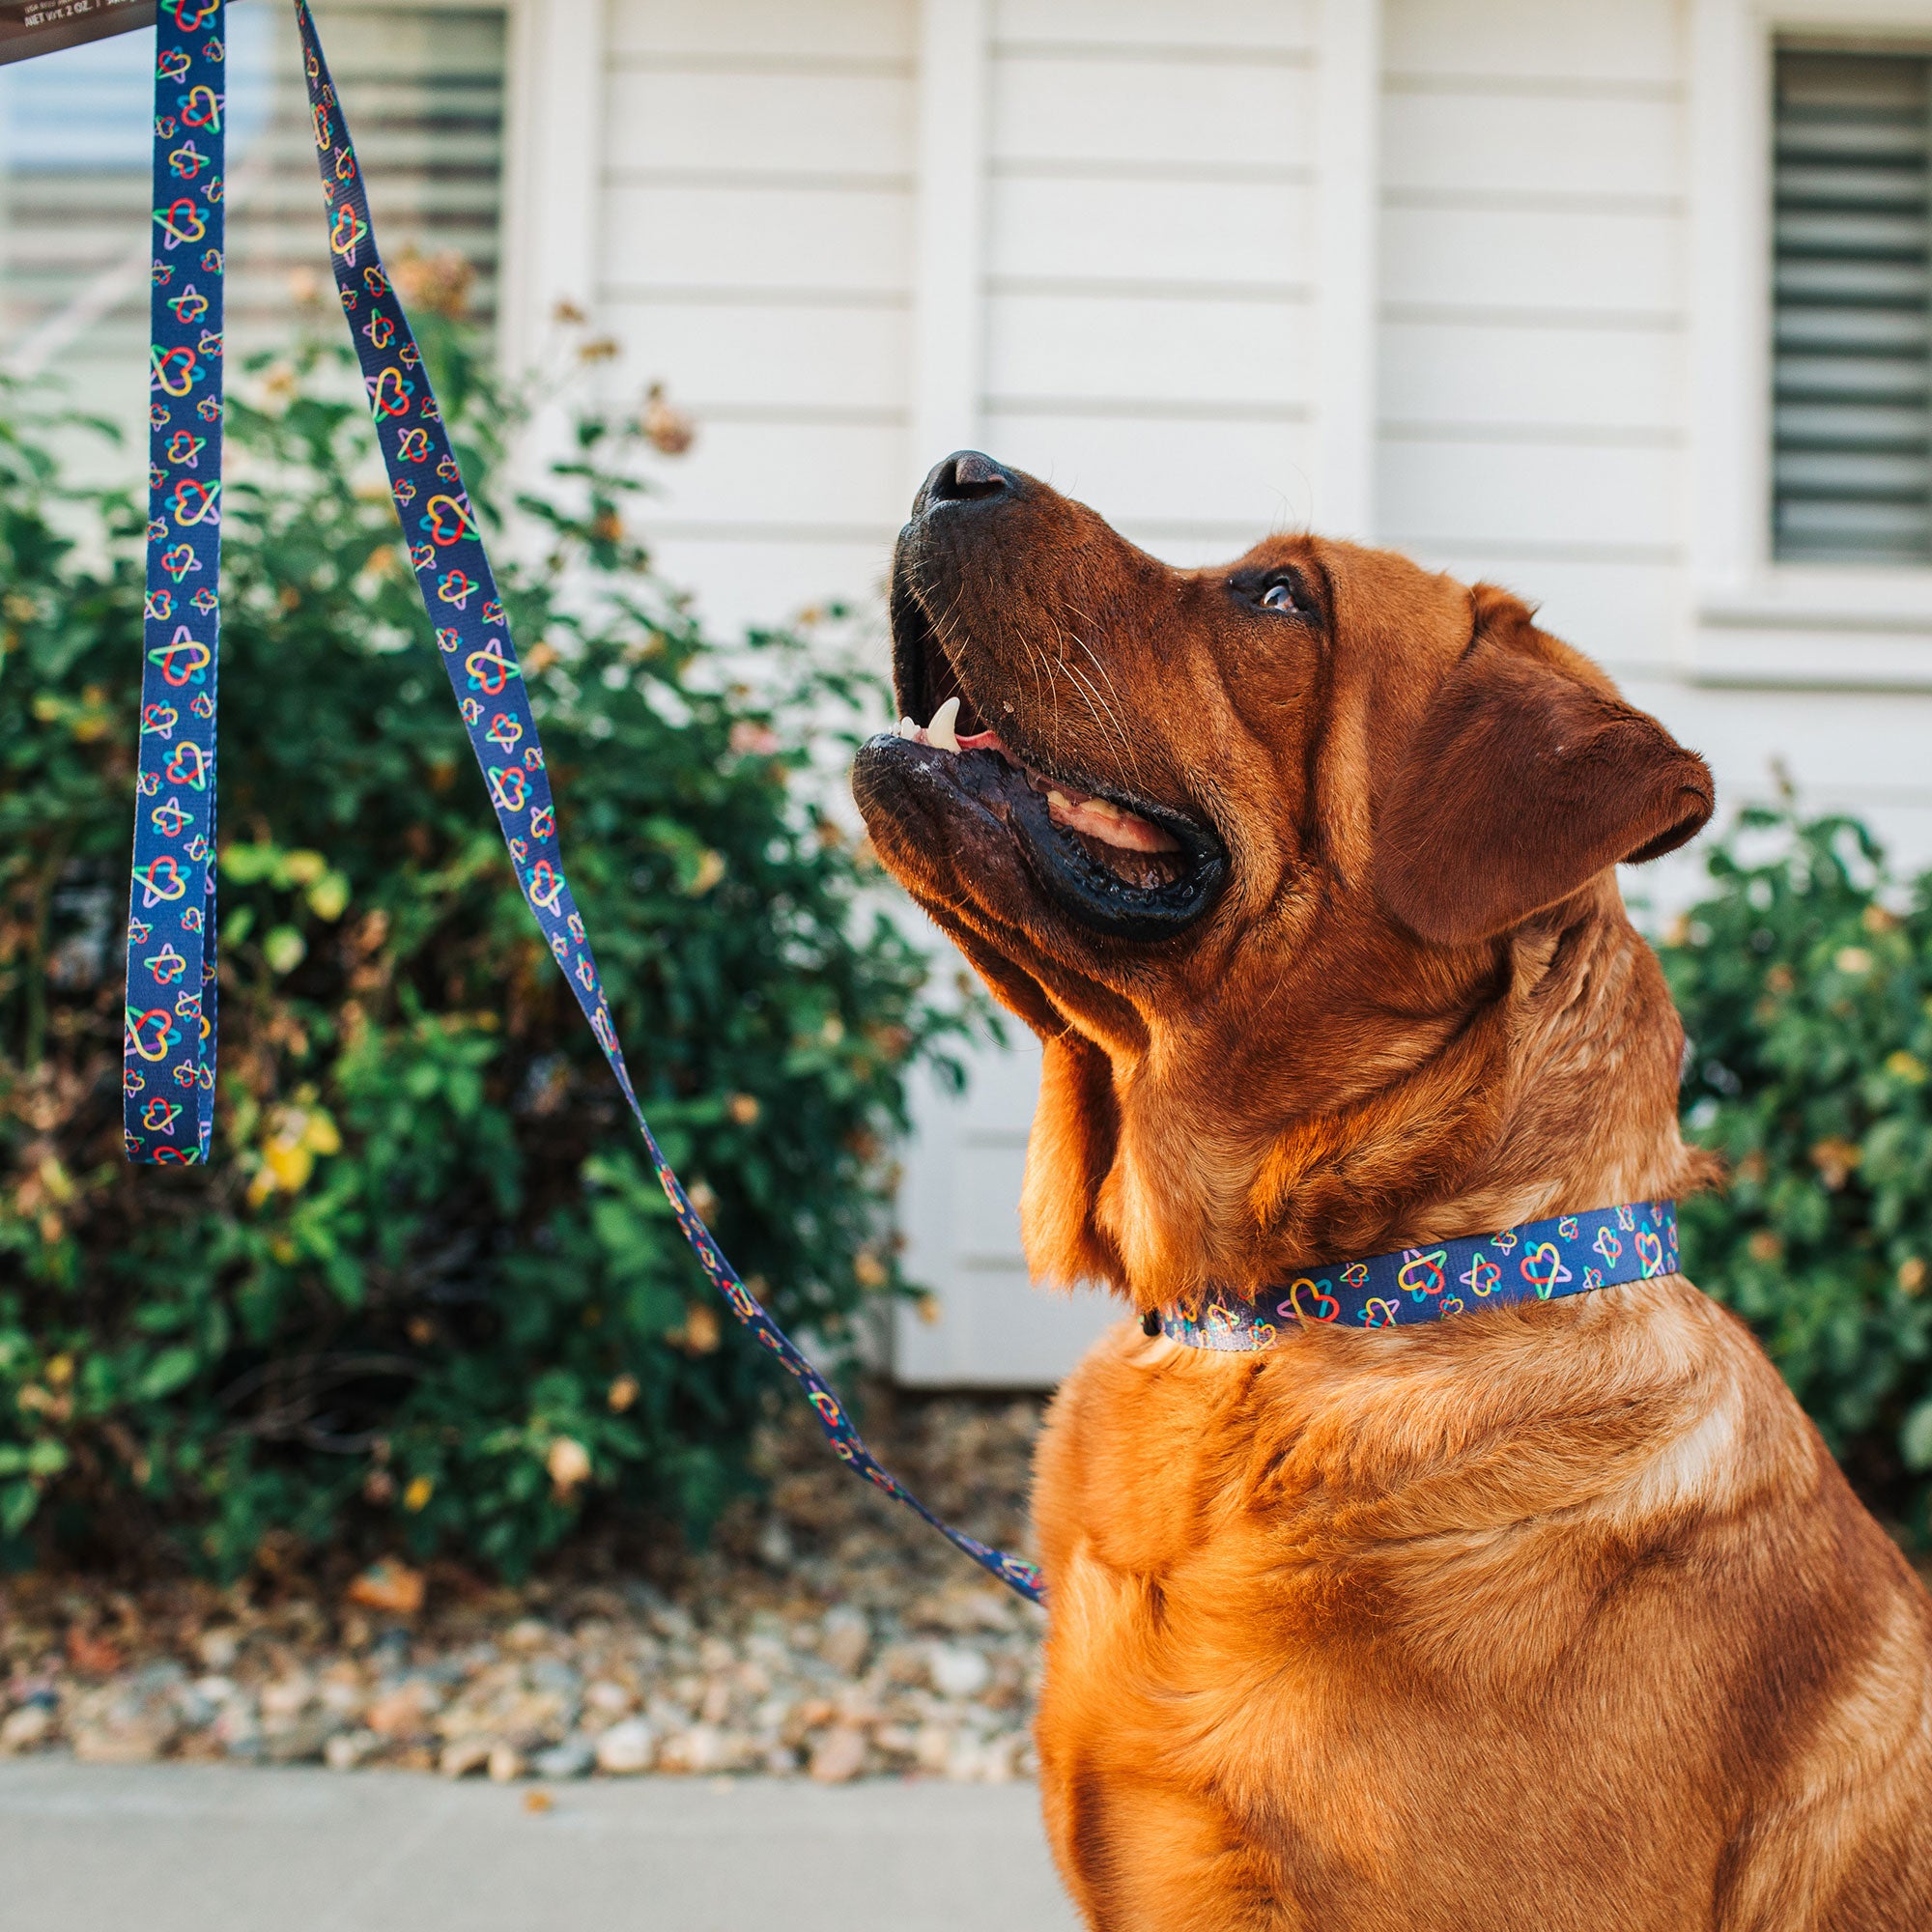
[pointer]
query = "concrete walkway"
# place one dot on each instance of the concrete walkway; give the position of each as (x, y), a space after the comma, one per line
(212, 1848)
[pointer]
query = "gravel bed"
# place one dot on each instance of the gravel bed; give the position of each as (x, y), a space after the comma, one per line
(825, 1632)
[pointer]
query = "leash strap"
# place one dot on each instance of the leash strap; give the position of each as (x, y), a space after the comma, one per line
(168, 1060)
(474, 643)
(1542, 1261)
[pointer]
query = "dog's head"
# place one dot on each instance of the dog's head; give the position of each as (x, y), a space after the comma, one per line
(1275, 858)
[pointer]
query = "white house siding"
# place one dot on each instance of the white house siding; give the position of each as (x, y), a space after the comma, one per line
(1144, 278)
(757, 209)
(1148, 288)
(1535, 395)
(1531, 330)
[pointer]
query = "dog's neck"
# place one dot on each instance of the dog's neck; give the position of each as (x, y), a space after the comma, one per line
(1555, 1092)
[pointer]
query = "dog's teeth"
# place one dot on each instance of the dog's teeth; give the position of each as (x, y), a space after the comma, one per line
(941, 731)
(908, 729)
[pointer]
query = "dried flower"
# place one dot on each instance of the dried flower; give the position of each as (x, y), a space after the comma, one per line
(667, 429)
(569, 1466)
(1834, 1160)
(439, 283)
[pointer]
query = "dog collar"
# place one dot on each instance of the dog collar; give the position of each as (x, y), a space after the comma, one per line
(1541, 1260)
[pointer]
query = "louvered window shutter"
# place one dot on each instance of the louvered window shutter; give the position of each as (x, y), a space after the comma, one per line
(1852, 308)
(424, 86)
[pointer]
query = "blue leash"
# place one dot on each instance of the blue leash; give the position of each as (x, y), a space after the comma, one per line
(168, 1066)
(171, 1001)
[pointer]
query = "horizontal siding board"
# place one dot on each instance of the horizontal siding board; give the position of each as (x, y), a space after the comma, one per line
(771, 30)
(1444, 373)
(1636, 42)
(1439, 494)
(710, 236)
(1261, 25)
(1159, 231)
(780, 122)
(1171, 351)
(1239, 474)
(1150, 112)
(1836, 744)
(742, 580)
(799, 475)
(774, 356)
(1572, 260)
(1448, 142)
(1629, 617)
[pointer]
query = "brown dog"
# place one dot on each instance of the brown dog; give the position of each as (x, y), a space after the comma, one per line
(1545, 1617)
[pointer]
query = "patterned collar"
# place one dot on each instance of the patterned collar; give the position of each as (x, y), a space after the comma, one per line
(1541, 1260)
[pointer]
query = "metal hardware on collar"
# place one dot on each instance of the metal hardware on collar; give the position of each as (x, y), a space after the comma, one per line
(1541, 1260)
(170, 1050)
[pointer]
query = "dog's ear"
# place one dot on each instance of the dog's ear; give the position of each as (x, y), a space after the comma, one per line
(1527, 777)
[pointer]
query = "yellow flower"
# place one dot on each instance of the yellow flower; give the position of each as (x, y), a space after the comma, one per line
(296, 1136)
(1906, 1067)
(328, 897)
(290, 1163)
(416, 1496)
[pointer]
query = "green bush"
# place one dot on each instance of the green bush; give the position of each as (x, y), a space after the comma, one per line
(1805, 985)
(427, 1293)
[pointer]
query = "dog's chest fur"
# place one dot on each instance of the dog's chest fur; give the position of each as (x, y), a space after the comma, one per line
(1547, 1618)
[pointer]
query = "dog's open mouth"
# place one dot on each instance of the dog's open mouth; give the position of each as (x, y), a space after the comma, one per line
(1132, 849)
(1128, 865)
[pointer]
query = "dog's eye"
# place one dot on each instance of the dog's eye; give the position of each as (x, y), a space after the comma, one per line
(1280, 596)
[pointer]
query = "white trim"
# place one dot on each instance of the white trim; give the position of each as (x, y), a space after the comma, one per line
(950, 243)
(1729, 120)
(1755, 621)
(553, 169)
(1346, 197)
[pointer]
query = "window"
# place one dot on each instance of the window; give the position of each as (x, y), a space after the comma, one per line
(1852, 307)
(423, 87)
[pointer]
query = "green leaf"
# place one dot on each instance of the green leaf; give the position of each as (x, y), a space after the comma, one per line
(166, 1372)
(1915, 1438)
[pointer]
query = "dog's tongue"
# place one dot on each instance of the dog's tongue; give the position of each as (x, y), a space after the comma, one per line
(1098, 819)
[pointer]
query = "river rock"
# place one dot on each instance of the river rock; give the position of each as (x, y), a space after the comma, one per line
(958, 1670)
(840, 1755)
(572, 1758)
(626, 1748)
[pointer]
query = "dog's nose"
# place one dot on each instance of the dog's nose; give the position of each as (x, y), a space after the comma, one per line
(966, 476)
